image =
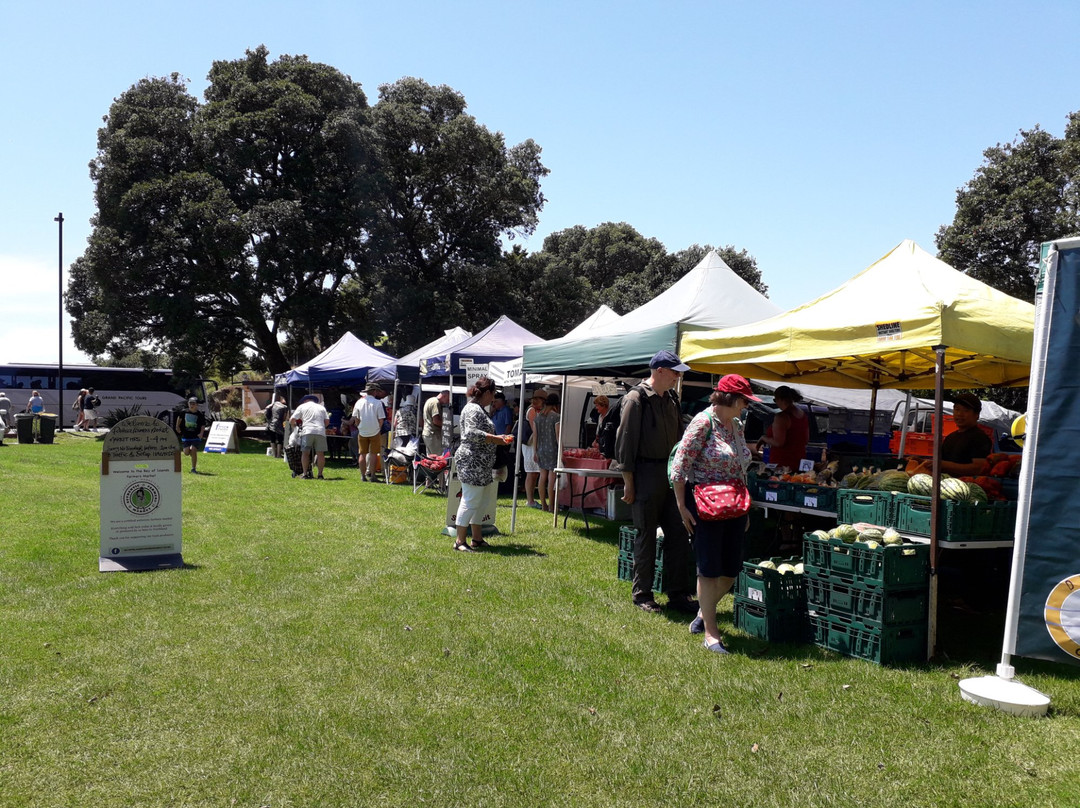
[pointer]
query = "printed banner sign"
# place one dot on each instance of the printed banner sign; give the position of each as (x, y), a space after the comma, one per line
(474, 371)
(222, 438)
(140, 497)
(1048, 525)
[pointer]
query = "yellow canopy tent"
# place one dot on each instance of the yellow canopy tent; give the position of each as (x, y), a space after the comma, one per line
(880, 329)
(909, 321)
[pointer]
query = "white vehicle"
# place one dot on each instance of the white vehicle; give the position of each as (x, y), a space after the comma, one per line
(157, 393)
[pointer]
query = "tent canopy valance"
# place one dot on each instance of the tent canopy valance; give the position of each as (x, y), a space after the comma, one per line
(407, 368)
(881, 329)
(346, 363)
(709, 296)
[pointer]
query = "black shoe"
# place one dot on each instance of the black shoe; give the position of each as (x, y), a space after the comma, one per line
(650, 606)
(683, 604)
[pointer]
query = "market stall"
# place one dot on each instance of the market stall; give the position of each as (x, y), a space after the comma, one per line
(909, 321)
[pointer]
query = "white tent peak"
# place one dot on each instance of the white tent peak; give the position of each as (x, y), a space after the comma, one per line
(711, 295)
(601, 319)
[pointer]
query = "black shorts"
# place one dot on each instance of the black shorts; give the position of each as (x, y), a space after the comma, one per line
(276, 438)
(718, 545)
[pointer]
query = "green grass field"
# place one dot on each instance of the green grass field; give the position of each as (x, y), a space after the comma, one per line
(323, 646)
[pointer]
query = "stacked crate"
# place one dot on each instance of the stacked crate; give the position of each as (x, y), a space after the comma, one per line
(627, 535)
(868, 603)
(771, 606)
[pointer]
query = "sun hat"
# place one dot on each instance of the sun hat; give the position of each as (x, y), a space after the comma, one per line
(372, 387)
(969, 400)
(193, 400)
(734, 383)
(667, 359)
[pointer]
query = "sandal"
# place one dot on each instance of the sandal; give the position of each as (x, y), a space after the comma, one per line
(463, 547)
(476, 545)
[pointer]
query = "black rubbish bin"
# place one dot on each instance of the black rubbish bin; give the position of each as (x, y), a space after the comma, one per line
(48, 427)
(24, 426)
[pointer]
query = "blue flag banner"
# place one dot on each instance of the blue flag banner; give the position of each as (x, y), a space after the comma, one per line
(1044, 619)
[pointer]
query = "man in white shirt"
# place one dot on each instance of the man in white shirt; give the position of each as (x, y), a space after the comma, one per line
(312, 419)
(369, 414)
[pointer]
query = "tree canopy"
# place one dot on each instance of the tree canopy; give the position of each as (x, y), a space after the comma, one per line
(220, 224)
(1024, 193)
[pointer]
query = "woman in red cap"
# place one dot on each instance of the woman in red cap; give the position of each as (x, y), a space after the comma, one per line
(713, 450)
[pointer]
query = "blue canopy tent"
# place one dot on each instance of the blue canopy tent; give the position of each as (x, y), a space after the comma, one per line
(502, 340)
(346, 363)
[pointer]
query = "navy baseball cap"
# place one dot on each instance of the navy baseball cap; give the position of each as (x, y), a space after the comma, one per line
(667, 359)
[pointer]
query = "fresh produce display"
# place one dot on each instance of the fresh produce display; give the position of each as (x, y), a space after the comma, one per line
(590, 453)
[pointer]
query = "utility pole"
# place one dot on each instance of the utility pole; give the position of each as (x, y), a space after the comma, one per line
(60, 319)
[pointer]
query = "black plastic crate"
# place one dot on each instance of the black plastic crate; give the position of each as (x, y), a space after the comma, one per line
(811, 495)
(770, 624)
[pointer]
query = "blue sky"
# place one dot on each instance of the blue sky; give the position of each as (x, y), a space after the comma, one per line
(815, 136)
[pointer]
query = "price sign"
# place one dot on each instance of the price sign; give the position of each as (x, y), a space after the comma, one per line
(809, 501)
(770, 496)
(806, 465)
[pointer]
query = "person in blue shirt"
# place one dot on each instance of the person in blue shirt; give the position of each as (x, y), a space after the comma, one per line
(501, 415)
(36, 404)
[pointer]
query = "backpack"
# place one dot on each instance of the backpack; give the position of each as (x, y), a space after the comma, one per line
(95, 402)
(269, 412)
(609, 427)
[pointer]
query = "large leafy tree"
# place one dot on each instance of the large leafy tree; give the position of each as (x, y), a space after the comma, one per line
(220, 225)
(1024, 193)
(453, 190)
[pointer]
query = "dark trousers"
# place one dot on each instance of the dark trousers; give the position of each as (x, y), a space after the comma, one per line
(654, 505)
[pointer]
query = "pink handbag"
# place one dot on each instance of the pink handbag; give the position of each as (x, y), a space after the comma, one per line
(721, 500)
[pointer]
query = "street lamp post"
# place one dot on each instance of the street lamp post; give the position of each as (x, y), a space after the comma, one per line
(60, 320)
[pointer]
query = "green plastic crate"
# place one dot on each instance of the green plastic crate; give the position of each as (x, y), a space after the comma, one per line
(768, 587)
(885, 646)
(809, 495)
(872, 606)
(958, 521)
(897, 565)
(858, 505)
(627, 535)
(988, 521)
(773, 492)
(771, 625)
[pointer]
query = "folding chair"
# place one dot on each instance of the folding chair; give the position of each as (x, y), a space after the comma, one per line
(430, 473)
(396, 465)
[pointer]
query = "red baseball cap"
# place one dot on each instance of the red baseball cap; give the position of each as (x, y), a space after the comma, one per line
(734, 383)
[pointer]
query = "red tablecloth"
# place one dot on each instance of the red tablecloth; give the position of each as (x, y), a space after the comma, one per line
(595, 499)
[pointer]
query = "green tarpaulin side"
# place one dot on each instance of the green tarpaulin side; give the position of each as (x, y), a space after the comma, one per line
(605, 355)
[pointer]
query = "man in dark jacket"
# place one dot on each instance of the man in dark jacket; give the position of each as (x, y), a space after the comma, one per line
(649, 426)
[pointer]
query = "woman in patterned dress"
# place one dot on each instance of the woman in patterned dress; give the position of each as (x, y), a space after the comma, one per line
(713, 450)
(474, 461)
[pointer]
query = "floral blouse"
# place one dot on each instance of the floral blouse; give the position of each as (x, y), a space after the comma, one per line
(710, 453)
(475, 457)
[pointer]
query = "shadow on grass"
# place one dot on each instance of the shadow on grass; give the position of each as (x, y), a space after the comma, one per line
(510, 550)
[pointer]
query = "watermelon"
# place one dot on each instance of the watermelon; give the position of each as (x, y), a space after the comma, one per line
(921, 484)
(976, 494)
(956, 490)
(893, 481)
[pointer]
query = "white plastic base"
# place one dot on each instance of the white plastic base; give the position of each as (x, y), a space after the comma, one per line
(1006, 695)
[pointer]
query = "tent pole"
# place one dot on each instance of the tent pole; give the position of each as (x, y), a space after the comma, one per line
(873, 412)
(904, 424)
(935, 500)
(558, 457)
(517, 451)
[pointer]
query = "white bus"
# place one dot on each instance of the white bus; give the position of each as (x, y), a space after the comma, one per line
(157, 393)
